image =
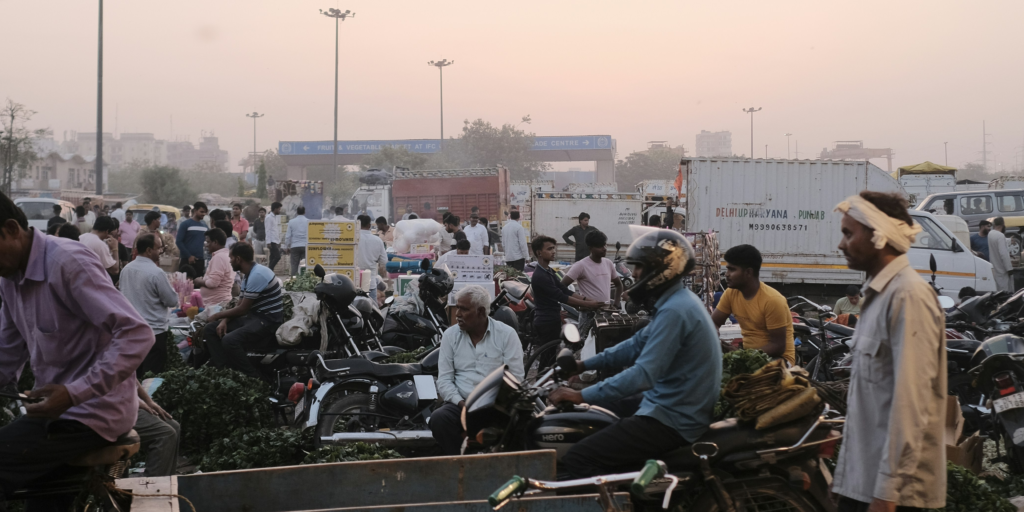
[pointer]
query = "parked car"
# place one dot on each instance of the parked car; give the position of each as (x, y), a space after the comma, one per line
(40, 209)
(957, 265)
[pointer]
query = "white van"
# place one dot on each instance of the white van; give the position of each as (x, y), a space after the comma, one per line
(39, 210)
(956, 265)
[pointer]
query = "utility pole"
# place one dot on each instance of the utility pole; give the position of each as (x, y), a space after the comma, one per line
(338, 17)
(440, 65)
(99, 109)
(945, 152)
(766, 151)
(788, 135)
(984, 147)
(797, 152)
(751, 111)
(256, 115)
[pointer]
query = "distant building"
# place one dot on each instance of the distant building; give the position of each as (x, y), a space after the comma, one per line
(55, 171)
(145, 147)
(183, 155)
(562, 179)
(711, 144)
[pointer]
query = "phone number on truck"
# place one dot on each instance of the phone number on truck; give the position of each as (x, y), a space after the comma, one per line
(777, 227)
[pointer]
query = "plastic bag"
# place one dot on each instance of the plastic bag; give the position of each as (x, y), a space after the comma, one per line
(416, 231)
(306, 309)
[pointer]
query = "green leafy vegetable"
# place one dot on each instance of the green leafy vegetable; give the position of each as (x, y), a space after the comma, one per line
(302, 283)
(407, 357)
(349, 453)
(737, 362)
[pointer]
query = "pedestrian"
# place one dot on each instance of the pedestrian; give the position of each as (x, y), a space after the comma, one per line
(158, 435)
(152, 227)
(596, 276)
(371, 254)
(259, 232)
(225, 226)
(90, 213)
(408, 212)
(979, 240)
(999, 256)
(191, 237)
(893, 454)
(295, 239)
(579, 234)
(57, 219)
(451, 226)
(461, 249)
(493, 238)
(102, 244)
(384, 231)
(129, 229)
(146, 287)
(274, 235)
(82, 221)
(339, 214)
(476, 233)
(238, 223)
(654, 221)
(849, 304)
(118, 212)
(215, 285)
(513, 241)
(69, 231)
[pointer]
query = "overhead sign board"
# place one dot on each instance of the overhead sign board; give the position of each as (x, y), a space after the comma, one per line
(368, 147)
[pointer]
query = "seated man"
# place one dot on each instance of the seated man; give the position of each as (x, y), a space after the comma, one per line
(461, 249)
(253, 323)
(763, 313)
(158, 433)
(849, 304)
(62, 314)
(676, 363)
(215, 286)
(470, 351)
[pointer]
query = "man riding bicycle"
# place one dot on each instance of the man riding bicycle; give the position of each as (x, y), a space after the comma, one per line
(676, 364)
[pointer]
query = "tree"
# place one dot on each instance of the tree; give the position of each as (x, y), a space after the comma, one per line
(481, 144)
(241, 187)
(393, 156)
(974, 171)
(653, 164)
(261, 181)
(17, 142)
(166, 185)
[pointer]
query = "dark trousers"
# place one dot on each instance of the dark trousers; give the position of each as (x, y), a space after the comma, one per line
(543, 333)
(519, 264)
(275, 255)
(199, 265)
(446, 426)
(156, 359)
(250, 332)
(31, 448)
(852, 505)
(625, 446)
(295, 256)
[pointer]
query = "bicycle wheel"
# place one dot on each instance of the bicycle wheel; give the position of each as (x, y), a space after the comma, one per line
(773, 497)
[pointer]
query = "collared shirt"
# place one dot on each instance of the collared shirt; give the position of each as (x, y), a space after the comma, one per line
(240, 226)
(146, 286)
(218, 279)
(56, 219)
(65, 315)
(462, 365)
(298, 232)
(513, 241)
(894, 446)
(478, 238)
(118, 214)
(273, 229)
(265, 290)
(388, 238)
(129, 231)
(676, 362)
(548, 294)
(370, 252)
(99, 248)
(170, 248)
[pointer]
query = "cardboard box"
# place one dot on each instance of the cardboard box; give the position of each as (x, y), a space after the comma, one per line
(402, 283)
(333, 232)
(460, 285)
(961, 450)
(421, 248)
(330, 255)
(350, 272)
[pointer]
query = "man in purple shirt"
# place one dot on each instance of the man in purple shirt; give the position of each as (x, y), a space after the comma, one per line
(83, 339)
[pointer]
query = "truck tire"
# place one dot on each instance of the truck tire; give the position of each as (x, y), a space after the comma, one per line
(1013, 242)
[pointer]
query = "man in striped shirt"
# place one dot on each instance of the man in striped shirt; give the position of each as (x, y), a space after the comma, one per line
(253, 323)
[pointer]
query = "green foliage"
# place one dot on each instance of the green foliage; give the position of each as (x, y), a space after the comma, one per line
(350, 453)
(653, 164)
(967, 493)
(407, 357)
(735, 363)
(390, 156)
(482, 144)
(338, 189)
(174, 359)
(212, 403)
(302, 282)
(17, 151)
(1012, 485)
(254, 448)
(166, 185)
(509, 272)
(261, 181)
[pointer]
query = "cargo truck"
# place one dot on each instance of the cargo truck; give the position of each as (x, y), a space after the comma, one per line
(432, 192)
(554, 213)
(924, 179)
(785, 209)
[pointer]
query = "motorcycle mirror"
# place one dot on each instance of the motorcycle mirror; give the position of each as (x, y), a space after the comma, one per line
(389, 300)
(931, 263)
(570, 333)
(312, 357)
(566, 362)
(319, 271)
(618, 245)
(425, 264)
(946, 302)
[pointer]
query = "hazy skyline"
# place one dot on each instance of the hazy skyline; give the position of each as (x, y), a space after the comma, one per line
(904, 75)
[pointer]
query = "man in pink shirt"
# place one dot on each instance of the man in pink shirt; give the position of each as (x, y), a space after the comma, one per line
(594, 276)
(215, 286)
(129, 229)
(83, 339)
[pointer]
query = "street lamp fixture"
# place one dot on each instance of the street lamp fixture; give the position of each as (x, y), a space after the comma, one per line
(338, 17)
(788, 135)
(255, 115)
(751, 111)
(440, 65)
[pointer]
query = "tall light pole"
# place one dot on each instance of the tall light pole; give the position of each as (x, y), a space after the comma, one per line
(440, 65)
(338, 17)
(255, 115)
(751, 111)
(945, 151)
(99, 109)
(788, 135)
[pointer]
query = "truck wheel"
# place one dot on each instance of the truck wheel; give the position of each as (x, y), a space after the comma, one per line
(1013, 242)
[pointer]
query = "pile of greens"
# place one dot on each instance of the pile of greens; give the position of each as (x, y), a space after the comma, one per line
(509, 272)
(350, 453)
(409, 357)
(968, 493)
(737, 362)
(302, 283)
(254, 448)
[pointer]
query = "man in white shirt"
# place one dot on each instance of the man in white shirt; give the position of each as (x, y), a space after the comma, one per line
(370, 253)
(408, 212)
(118, 212)
(102, 244)
(513, 241)
(90, 215)
(461, 249)
(470, 351)
(295, 239)
(999, 256)
(476, 233)
(273, 236)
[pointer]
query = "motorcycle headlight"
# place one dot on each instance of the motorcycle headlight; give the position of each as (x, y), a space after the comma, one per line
(464, 419)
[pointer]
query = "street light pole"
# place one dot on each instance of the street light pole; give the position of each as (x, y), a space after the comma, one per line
(751, 111)
(255, 115)
(99, 109)
(788, 135)
(440, 65)
(338, 17)
(945, 151)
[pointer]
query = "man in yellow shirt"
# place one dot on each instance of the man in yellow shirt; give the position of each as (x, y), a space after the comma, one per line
(763, 313)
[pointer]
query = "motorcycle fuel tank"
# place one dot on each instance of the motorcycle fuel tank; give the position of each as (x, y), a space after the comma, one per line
(560, 430)
(402, 397)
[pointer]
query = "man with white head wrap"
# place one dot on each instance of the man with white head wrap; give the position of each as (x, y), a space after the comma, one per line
(893, 451)
(999, 256)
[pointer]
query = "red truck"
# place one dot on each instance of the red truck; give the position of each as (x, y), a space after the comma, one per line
(431, 193)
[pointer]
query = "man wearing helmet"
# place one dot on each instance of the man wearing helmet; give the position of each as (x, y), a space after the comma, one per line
(676, 363)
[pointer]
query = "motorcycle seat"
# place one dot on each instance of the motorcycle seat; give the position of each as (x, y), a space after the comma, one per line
(732, 436)
(841, 330)
(363, 367)
(122, 448)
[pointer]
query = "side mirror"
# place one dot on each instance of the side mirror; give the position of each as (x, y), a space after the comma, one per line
(570, 333)
(931, 263)
(425, 264)
(946, 302)
(618, 245)
(319, 271)
(566, 362)
(389, 300)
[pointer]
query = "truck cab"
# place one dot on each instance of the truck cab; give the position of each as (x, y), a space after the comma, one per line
(373, 200)
(957, 265)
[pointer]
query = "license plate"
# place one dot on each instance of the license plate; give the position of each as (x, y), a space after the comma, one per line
(1015, 401)
(299, 407)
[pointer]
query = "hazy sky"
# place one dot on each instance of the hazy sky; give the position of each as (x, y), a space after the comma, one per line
(905, 75)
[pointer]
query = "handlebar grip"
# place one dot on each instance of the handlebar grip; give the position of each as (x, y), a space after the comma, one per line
(652, 469)
(511, 487)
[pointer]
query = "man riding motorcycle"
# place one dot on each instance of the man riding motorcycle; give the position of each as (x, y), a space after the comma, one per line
(676, 363)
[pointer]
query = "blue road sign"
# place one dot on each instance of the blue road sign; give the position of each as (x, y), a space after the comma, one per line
(368, 147)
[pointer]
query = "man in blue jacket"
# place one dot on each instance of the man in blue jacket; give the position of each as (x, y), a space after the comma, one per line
(676, 363)
(190, 239)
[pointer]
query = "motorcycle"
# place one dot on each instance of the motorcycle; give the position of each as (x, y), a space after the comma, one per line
(823, 344)
(999, 381)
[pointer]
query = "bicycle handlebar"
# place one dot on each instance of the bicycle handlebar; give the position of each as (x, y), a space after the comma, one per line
(513, 486)
(651, 471)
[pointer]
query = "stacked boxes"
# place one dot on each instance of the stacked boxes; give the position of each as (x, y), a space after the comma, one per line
(332, 244)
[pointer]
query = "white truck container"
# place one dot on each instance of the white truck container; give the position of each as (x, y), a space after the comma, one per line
(785, 209)
(924, 179)
(554, 213)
